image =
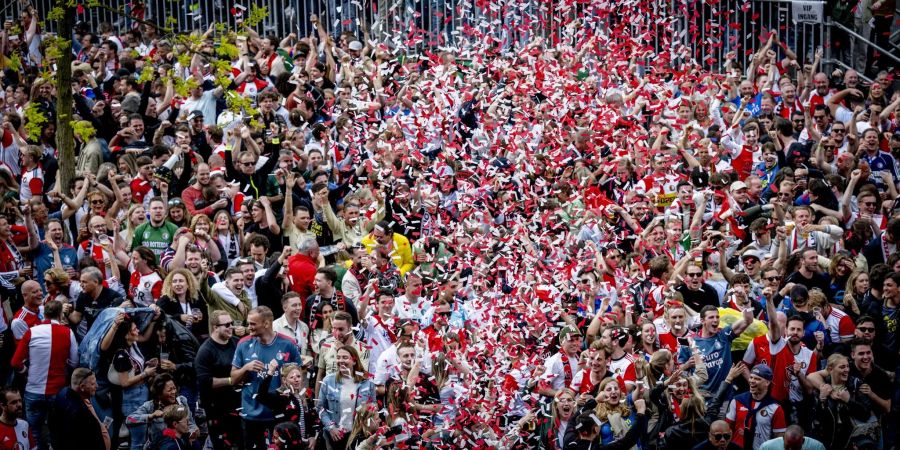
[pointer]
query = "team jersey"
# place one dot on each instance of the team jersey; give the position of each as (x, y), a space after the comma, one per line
(716, 351)
(49, 349)
(16, 437)
(669, 341)
(379, 337)
(25, 319)
(145, 289)
(156, 239)
(808, 364)
(32, 184)
(555, 371)
(769, 420)
(778, 357)
(97, 253)
(623, 369)
(840, 325)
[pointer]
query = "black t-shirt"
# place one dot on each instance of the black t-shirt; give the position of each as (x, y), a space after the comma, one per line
(696, 300)
(878, 380)
(275, 243)
(90, 307)
(818, 280)
(214, 361)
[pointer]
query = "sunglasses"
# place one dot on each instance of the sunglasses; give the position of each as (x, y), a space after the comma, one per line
(585, 281)
(773, 278)
(838, 130)
(695, 275)
(866, 329)
(721, 436)
(226, 324)
(248, 163)
(869, 203)
(98, 201)
(445, 313)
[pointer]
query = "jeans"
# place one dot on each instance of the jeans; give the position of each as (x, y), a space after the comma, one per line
(132, 399)
(36, 408)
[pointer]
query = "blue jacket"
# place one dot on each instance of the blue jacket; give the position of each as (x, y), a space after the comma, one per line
(329, 403)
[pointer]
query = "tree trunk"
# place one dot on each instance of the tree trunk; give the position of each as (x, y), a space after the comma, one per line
(65, 138)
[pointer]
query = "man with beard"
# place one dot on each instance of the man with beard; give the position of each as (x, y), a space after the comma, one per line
(156, 233)
(806, 361)
(771, 350)
(809, 274)
(14, 433)
(217, 395)
(341, 335)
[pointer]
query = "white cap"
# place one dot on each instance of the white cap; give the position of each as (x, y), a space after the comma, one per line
(355, 46)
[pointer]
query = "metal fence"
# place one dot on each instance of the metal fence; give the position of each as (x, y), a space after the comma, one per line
(707, 29)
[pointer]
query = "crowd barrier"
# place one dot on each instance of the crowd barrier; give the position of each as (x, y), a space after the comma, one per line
(708, 28)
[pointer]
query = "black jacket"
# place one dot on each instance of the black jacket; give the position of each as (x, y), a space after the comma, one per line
(681, 434)
(70, 418)
(288, 408)
(629, 440)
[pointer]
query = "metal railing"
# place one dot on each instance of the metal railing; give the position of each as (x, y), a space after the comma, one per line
(856, 35)
(707, 30)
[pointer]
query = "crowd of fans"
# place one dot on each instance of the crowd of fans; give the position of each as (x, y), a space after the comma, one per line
(558, 246)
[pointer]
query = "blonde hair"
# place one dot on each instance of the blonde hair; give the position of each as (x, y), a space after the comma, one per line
(191, 293)
(604, 410)
(817, 298)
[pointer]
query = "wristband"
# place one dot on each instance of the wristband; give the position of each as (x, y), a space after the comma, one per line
(230, 383)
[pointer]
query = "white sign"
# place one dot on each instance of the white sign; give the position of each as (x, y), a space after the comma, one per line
(809, 12)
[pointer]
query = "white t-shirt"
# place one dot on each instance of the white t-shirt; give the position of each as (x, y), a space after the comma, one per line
(206, 104)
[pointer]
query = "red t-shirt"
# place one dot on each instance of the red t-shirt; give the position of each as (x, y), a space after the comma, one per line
(778, 357)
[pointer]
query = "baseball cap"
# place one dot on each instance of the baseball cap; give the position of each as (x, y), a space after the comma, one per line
(355, 46)
(567, 332)
(752, 254)
(195, 114)
(738, 185)
(762, 371)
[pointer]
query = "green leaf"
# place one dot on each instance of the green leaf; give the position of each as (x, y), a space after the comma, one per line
(83, 129)
(34, 121)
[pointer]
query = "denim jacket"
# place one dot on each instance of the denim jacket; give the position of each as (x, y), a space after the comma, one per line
(329, 402)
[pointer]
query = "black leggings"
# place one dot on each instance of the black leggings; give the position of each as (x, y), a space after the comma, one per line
(257, 434)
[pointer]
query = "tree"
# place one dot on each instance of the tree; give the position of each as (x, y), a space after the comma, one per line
(59, 50)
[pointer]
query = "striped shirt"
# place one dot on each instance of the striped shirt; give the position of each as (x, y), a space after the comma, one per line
(49, 349)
